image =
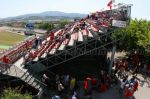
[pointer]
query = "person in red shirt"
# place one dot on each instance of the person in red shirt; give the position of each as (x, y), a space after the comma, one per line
(51, 36)
(135, 87)
(87, 86)
(6, 61)
(128, 93)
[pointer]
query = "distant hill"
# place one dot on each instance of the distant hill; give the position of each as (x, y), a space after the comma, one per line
(44, 16)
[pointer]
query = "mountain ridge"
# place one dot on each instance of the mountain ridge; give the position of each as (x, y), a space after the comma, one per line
(46, 14)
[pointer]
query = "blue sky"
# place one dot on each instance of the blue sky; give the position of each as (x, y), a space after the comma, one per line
(8, 8)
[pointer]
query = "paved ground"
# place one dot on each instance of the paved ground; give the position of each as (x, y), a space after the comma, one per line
(142, 93)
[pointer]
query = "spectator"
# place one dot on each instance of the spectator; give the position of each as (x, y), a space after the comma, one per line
(87, 86)
(36, 43)
(60, 88)
(128, 92)
(6, 61)
(94, 83)
(135, 86)
(51, 36)
(67, 36)
(66, 81)
(122, 85)
(72, 83)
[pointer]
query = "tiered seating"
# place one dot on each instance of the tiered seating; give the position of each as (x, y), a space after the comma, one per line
(92, 26)
(17, 52)
(83, 35)
(51, 46)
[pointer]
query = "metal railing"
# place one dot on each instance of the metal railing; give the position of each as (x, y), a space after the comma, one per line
(12, 70)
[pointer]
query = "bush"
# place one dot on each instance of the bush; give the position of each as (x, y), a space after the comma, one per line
(14, 94)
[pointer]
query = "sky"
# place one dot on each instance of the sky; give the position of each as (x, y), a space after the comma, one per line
(9, 8)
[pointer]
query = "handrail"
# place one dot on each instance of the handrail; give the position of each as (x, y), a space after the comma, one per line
(22, 71)
(79, 45)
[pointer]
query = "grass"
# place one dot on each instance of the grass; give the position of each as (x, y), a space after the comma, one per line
(10, 39)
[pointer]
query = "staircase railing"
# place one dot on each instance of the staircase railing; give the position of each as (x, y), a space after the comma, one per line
(12, 70)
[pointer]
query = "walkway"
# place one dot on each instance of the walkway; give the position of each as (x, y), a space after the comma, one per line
(142, 93)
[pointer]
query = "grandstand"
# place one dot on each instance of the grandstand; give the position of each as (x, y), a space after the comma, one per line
(74, 42)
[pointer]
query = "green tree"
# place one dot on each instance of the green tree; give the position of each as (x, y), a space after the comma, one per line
(14, 94)
(135, 36)
(46, 26)
(62, 23)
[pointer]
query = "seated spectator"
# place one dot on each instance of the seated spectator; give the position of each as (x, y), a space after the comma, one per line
(67, 36)
(5, 61)
(51, 36)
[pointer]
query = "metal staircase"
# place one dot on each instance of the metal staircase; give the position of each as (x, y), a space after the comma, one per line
(24, 75)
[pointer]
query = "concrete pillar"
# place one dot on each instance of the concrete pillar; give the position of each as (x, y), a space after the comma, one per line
(112, 58)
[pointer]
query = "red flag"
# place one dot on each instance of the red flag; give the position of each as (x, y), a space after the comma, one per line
(110, 4)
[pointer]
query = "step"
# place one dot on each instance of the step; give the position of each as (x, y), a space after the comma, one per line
(90, 34)
(35, 59)
(28, 78)
(38, 87)
(72, 41)
(24, 76)
(34, 84)
(44, 55)
(53, 51)
(31, 79)
(56, 33)
(80, 36)
(62, 47)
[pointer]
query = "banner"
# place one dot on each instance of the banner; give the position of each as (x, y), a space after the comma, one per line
(118, 23)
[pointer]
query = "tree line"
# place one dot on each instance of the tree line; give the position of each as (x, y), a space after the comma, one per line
(51, 26)
(135, 36)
